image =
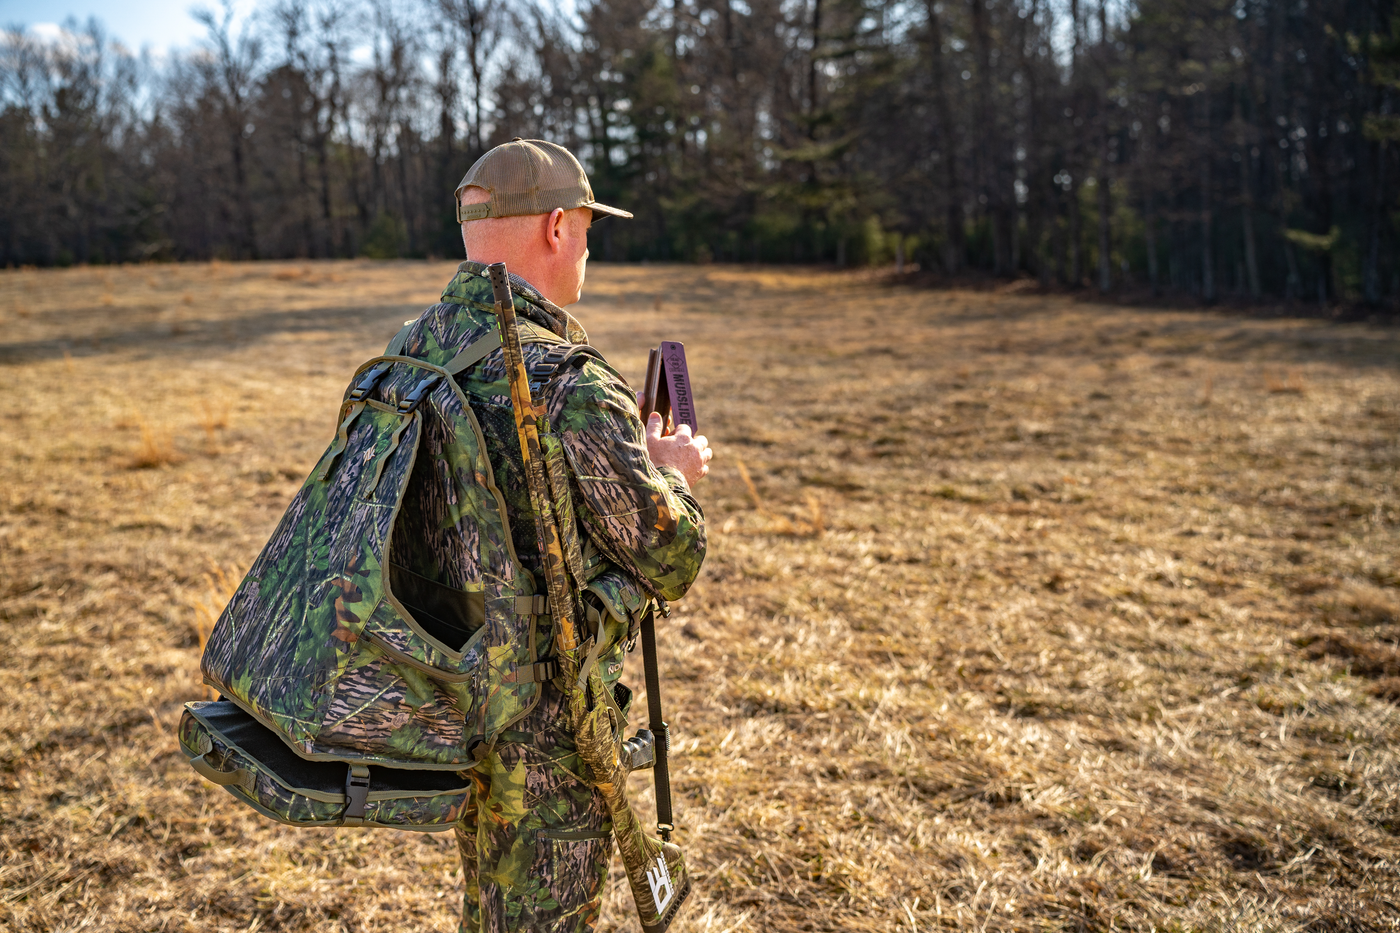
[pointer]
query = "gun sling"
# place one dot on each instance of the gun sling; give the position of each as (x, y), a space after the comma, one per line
(661, 771)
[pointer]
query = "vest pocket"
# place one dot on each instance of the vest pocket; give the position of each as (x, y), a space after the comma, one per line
(450, 615)
(575, 866)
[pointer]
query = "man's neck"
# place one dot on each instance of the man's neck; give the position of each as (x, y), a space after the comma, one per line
(554, 317)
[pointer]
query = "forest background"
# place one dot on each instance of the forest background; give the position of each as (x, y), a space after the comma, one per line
(1241, 149)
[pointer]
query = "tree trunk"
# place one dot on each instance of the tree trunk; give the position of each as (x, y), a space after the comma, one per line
(1076, 265)
(1207, 249)
(954, 246)
(1293, 287)
(1105, 195)
(812, 67)
(304, 197)
(323, 169)
(988, 138)
(1061, 249)
(1251, 261)
(1035, 236)
(1173, 257)
(406, 203)
(1370, 273)
(1251, 257)
(240, 181)
(1105, 207)
(1149, 230)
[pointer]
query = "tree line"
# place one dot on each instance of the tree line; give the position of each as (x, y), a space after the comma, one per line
(1216, 148)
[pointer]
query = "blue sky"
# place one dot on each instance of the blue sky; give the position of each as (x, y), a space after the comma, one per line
(159, 24)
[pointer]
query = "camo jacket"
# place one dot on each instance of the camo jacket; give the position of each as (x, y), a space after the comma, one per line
(639, 517)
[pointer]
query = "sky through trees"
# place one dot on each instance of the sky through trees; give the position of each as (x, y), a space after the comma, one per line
(1215, 148)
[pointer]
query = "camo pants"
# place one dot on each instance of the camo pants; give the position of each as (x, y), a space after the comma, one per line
(535, 850)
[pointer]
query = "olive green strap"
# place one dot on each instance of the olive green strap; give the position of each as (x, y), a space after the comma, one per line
(474, 353)
(238, 776)
(394, 440)
(592, 659)
(342, 437)
(395, 346)
(536, 605)
(537, 673)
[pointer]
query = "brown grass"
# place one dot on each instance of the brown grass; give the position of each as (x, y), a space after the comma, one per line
(213, 417)
(1292, 383)
(1072, 651)
(155, 449)
(208, 603)
(774, 523)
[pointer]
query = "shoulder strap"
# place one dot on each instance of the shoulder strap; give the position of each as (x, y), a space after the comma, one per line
(395, 346)
(490, 342)
(474, 352)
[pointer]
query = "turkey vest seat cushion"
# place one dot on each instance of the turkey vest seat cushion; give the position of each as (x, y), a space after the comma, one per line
(389, 619)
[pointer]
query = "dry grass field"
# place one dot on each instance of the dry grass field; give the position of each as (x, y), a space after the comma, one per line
(1019, 613)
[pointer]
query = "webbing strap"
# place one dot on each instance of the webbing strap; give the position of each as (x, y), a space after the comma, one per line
(536, 673)
(536, 605)
(592, 658)
(342, 437)
(395, 346)
(394, 440)
(661, 772)
(474, 353)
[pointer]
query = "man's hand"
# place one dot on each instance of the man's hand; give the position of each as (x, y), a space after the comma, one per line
(690, 455)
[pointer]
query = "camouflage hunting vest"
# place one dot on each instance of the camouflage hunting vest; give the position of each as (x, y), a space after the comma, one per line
(389, 619)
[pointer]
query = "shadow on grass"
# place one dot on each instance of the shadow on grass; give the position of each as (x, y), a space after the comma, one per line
(197, 336)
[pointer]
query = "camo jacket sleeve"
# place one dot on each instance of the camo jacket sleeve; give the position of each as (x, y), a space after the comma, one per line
(642, 517)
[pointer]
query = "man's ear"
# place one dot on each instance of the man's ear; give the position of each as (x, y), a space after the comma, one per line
(554, 232)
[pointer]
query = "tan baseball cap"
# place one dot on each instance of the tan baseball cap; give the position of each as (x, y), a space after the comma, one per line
(529, 176)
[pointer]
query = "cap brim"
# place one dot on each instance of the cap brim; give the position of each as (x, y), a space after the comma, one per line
(602, 210)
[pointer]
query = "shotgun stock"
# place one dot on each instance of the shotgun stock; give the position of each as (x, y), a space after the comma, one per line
(655, 869)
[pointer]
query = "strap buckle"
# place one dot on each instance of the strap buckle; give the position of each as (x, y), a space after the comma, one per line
(411, 400)
(536, 673)
(356, 794)
(368, 381)
(547, 365)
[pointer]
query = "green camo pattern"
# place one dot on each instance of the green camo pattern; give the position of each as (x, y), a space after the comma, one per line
(535, 846)
(426, 810)
(315, 642)
(641, 518)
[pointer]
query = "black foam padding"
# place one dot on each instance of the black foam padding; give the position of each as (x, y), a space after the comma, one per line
(237, 727)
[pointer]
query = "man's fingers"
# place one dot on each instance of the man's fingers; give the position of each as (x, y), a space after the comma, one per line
(683, 432)
(654, 427)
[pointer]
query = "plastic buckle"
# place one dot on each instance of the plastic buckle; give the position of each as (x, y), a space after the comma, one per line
(356, 793)
(411, 400)
(367, 382)
(545, 369)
